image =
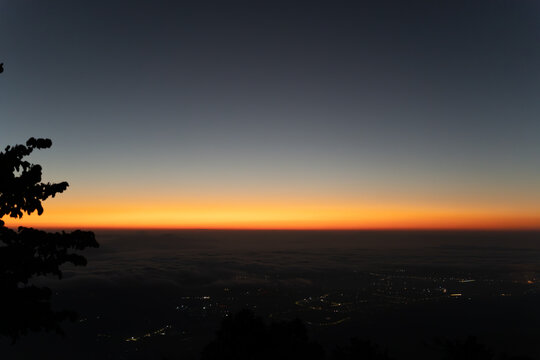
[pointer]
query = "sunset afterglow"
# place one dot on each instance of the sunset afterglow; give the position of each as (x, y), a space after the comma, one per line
(326, 119)
(276, 215)
(269, 179)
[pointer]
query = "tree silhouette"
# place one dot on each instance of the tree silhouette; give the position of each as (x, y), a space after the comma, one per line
(467, 349)
(246, 337)
(27, 253)
(360, 349)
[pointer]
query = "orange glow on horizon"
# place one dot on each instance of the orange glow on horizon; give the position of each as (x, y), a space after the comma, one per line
(155, 215)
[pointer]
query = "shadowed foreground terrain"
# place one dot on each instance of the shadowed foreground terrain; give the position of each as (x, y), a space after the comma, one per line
(156, 294)
(245, 336)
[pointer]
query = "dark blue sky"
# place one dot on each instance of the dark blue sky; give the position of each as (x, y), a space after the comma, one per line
(391, 102)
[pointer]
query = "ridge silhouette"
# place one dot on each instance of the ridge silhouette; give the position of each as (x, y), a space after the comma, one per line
(360, 349)
(245, 336)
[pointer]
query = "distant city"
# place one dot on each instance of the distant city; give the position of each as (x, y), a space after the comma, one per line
(333, 306)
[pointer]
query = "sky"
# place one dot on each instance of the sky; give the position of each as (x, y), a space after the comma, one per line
(278, 114)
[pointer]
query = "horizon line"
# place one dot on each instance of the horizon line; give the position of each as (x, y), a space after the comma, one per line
(306, 229)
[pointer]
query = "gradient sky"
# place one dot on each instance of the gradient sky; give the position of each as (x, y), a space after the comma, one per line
(278, 114)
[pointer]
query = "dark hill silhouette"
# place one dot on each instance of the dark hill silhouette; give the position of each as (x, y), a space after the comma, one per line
(245, 336)
(466, 349)
(360, 349)
(27, 253)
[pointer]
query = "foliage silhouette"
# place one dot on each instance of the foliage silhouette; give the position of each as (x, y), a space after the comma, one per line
(27, 253)
(360, 349)
(245, 336)
(468, 349)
